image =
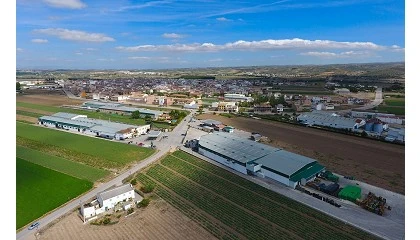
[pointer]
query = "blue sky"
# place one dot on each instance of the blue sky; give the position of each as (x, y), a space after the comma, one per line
(82, 34)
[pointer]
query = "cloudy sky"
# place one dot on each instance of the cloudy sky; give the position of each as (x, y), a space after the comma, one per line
(84, 34)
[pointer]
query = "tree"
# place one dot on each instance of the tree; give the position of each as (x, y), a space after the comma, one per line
(17, 86)
(133, 182)
(148, 119)
(135, 114)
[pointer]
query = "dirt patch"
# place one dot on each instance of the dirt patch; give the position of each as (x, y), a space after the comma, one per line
(26, 118)
(377, 163)
(56, 98)
(157, 221)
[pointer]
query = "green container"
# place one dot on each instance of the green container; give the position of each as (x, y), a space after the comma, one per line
(351, 193)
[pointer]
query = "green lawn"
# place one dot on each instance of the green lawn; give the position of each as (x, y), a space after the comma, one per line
(117, 154)
(29, 114)
(40, 190)
(75, 169)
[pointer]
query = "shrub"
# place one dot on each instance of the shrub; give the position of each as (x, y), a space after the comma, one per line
(106, 221)
(133, 182)
(144, 203)
(147, 188)
(130, 210)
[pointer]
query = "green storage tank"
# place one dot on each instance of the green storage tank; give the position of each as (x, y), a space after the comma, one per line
(351, 193)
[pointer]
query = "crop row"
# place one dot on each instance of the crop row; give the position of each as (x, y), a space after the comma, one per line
(228, 213)
(216, 229)
(272, 195)
(283, 217)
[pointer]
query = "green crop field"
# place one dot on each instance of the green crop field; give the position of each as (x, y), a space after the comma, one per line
(193, 185)
(40, 190)
(391, 109)
(105, 153)
(75, 169)
(29, 114)
(400, 102)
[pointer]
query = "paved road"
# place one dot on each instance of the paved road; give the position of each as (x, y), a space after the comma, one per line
(174, 139)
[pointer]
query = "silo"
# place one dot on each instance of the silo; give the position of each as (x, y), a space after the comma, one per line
(378, 127)
(369, 126)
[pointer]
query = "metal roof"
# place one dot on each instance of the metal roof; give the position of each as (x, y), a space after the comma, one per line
(120, 107)
(211, 122)
(67, 121)
(67, 115)
(154, 133)
(326, 119)
(115, 192)
(237, 148)
(285, 162)
(97, 125)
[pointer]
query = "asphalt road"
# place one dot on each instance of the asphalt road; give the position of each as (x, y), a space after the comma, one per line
(174, 140)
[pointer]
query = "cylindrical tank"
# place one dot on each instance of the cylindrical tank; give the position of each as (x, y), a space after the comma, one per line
(378, 127)
(369, 126)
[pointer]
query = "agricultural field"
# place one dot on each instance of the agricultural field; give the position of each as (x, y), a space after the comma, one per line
(158, 221)
(231, 207)
(95, 152)
(40, 190)
(62, 165)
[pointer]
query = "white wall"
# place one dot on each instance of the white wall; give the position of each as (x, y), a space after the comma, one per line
(223, 161)
(275, 176)
(110, 203)
(88, 212)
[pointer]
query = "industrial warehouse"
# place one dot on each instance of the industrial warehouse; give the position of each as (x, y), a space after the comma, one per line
(120, 108)
(94, 127)
(249, 157)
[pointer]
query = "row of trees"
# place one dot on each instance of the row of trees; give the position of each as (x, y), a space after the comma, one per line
(258, 99)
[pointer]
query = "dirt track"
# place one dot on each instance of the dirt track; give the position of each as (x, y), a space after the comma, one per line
(377, 163)
(158, 221)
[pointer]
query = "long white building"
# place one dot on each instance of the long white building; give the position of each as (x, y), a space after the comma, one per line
(327, 119)
(93, 127)
(250, 157)
(237, 97)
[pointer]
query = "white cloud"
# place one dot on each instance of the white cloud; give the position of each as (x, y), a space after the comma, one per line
(91, 49)
(106, 59)
(172, 35)
(37, 40)
(215, 60)
(396, 48)
(72, 4)
(19, 50)
(223, 19)
(149, 58)
(270, 44)
(79, 53)
(347, 54)
(75, 35)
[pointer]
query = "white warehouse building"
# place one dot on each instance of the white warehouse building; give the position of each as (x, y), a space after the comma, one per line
(90, 126)
(250, 157)
(326, 119)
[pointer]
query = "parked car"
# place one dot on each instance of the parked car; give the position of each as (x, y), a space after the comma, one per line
(33, 225)
(140, 144)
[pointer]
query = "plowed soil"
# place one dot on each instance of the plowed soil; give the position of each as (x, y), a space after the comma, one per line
(158, 221)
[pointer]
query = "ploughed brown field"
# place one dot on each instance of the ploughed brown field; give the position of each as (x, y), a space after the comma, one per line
(48, 98)
(158, 221)
(377, 163)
